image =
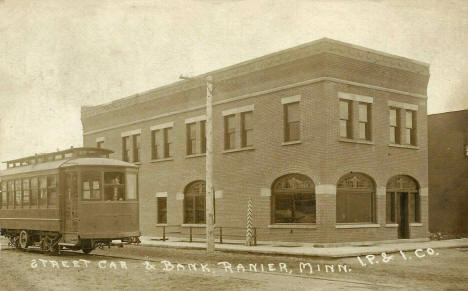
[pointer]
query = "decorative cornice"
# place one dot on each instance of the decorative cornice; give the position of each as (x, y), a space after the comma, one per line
(323, 45)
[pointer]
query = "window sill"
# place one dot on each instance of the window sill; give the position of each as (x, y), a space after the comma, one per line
(350, 140)
(161, 224)
(404, 146)
(195, 156)
(193, 225)
(415, 224)
(137, 163)
(238, 150)
(286, 143)
(363, 225)
(391, 225)
(162, 160)
(293, 225)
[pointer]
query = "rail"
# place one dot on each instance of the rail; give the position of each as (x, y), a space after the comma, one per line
(221, 232)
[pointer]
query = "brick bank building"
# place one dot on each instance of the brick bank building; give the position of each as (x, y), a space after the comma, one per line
(328, 139)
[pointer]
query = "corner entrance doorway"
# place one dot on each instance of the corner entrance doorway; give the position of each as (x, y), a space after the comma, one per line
(403, 221)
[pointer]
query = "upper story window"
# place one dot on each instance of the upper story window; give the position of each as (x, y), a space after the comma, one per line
(238, 127)
(229, 132)
(191, 139)
(395, 125)
(292, 122)
(125, 148)
(410, 127)
(402, 121)
(345, 119)
(161, 141)
(136, 148)
(203, 135)
(195, 135)
(100, 142)
(355, 116)
(131, 146)
(364, 118)
(247, 129)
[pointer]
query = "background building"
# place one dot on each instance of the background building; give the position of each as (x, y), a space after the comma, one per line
(448, 172)
(327, 138)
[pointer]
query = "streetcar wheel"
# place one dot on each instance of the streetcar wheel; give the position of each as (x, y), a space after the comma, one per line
(87, 251)
(23, 239)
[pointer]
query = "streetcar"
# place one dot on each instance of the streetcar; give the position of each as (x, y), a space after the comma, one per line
(77, 199)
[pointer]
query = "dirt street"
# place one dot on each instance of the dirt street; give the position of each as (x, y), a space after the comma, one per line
(152, 268)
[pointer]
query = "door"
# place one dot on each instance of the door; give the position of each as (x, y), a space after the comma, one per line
(403, 223)
(71, 206)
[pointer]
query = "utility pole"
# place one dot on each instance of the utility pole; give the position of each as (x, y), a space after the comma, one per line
(209, 203)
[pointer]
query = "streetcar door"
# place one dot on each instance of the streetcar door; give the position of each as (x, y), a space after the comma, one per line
(71, 208)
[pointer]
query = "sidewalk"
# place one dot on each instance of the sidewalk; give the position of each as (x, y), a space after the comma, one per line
(310, 249)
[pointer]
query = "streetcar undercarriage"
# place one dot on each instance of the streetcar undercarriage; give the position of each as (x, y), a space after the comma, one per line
(49, 241)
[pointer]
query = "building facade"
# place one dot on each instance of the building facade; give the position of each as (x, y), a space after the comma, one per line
(448, 172)
(328, 139)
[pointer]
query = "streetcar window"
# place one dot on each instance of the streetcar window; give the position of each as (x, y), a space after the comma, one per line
(4, 195)
(11, 194)
(91, 186)
(43, 192)
(131, 186)
(68, 155)
(114, 186)
(52, 191)
(34, 191)
(17, 193)
(26, 193)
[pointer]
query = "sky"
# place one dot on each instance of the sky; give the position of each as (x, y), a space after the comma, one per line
(56, 56)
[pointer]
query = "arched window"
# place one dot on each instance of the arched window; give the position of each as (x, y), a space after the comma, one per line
(355, 199)
(194, 202)
(293, 199)
(401, 190)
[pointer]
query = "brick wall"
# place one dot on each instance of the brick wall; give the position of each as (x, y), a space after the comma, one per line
(320, 155)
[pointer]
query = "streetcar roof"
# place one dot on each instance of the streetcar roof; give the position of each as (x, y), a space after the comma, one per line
(66, 163)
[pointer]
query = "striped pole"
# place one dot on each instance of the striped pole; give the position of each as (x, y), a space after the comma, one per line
(249, 237)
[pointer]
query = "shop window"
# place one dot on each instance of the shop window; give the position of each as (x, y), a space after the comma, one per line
(293, 199)
(355, 199)
(194, 202)
(398, 186)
